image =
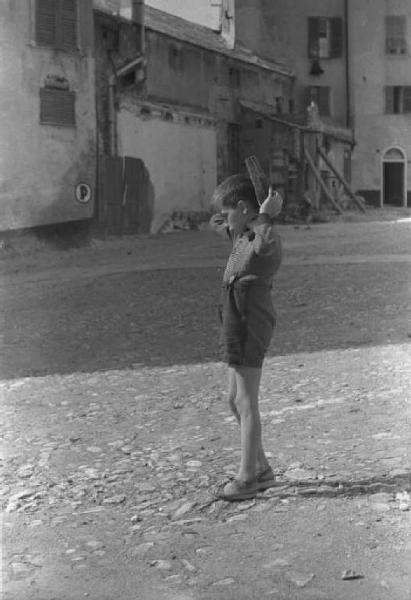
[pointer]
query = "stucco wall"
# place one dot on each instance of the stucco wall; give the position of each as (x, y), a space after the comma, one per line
(40, 165)
(371, 70)
(180, 158)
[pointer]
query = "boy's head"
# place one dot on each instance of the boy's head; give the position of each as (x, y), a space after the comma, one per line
(235, 198)
(232, 190)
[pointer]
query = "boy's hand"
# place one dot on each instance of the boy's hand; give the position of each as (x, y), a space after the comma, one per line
(272, 205)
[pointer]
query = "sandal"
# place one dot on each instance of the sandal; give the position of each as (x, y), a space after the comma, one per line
(235, 490)
(266, 479)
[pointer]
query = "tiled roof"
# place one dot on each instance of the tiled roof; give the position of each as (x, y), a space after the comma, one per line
(195, 34)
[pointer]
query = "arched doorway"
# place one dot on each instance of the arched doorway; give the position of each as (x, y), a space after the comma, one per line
(394, 177)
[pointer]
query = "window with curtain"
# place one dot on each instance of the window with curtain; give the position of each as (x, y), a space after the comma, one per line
(325, 37)
(396, 35)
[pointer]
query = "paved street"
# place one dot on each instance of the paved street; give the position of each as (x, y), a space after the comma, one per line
(116, 424)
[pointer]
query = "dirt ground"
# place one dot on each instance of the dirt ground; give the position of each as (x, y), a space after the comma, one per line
(116, 424)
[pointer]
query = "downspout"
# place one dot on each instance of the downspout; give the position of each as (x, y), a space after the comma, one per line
(347, 67)
(143, 29)
(138, 16)
(112, 115)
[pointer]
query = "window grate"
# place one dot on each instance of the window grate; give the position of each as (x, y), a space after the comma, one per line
(57, 107)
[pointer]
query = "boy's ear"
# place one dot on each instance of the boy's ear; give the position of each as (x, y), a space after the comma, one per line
(242, 205)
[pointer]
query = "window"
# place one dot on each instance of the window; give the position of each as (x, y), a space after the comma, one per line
(57, 107)
(56, 24)
(128, 79)
(325, 37)
(175, 58)
(397, 99)
(233, 148)
(319, 94)
(396, 35)
(234, 78)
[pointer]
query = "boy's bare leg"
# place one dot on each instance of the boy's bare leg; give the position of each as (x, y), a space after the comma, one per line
(232, 393)
(262, 462)
(253, 459)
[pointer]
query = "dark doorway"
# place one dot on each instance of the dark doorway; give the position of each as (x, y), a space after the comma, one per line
(126, 196)
(393, 190)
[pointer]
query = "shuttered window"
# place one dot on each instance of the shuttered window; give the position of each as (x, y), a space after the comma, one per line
(320, 94)
(396, 35)
(57, 107)
(325, 37)
(56, 24)
(397, 99)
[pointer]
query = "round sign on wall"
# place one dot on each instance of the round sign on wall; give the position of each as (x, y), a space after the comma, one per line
(83, 193)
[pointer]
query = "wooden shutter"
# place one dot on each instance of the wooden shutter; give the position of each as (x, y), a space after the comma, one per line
(336, 43)
(323, 100)
(68, 25)
(57, 107)
(46, 22)
(313, 34)
(309, 96)
(406, 108)
(389, 99)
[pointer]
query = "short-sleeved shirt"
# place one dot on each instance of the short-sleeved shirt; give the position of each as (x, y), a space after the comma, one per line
(257, 253)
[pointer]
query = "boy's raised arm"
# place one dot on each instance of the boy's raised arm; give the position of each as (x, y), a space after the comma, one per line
(267, 240)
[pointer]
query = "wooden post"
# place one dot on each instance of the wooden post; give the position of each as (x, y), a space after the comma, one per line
(341, 179)
(301, 174)
(318, 177)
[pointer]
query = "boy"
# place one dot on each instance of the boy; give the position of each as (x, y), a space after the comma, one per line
(247, 318)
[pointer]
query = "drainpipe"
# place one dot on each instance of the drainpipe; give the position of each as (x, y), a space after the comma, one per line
(112, 115)
(347, 66)
(138, 10)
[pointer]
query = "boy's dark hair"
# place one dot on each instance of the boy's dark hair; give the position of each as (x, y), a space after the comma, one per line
(233, 189)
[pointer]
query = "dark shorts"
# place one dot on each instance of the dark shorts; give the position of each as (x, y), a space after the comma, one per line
(247, 323)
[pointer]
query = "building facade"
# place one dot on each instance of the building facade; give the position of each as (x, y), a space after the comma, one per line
(353, 58)
(176, 105)
(380, 82)
(47, 112)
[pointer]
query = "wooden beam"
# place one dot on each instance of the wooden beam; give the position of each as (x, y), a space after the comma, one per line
(318, 177)
(341, 179)
(301, 166)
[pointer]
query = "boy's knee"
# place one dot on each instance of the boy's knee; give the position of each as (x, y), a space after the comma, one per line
(244, 405)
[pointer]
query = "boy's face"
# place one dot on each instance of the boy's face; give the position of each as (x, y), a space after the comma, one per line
(237, 218)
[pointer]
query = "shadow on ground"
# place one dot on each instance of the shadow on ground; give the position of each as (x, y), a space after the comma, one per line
(161, 318)
(333, 489)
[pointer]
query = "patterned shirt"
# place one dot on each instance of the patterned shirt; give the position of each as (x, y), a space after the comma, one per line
(256, 254)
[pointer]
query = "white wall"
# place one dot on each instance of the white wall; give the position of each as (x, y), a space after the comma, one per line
(204, 12)
(181, 160)
(371, 70)
(40, 165)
